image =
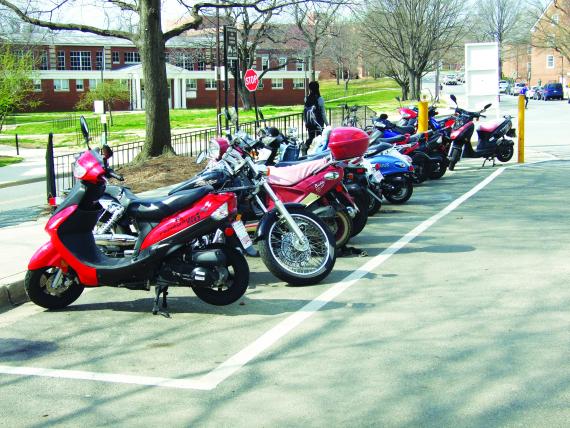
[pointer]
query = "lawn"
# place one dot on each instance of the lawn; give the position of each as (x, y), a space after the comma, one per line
(33, 128)
(9, 160)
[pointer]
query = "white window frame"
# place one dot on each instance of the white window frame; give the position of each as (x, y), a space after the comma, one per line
(117, 55)
(60, 56)
(210, 84)
(63, 85)
(191, 85)
(283, 61)
(277, 83)
(260, 84)
(93, 83)
(264, 62)
(79, 88)
(201, 65)
(300, 66)
(133, 57)
(549, 59)
(296, 84)
(37, 85)
(83, 60)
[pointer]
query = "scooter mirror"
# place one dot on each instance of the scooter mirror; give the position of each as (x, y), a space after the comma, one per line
(453, 98)
(261, 115)
(398, 99)
(201, 157)
(106, 151)
(487, 106)
(84, 128)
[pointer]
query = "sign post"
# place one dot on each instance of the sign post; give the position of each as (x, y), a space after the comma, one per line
(230, 54)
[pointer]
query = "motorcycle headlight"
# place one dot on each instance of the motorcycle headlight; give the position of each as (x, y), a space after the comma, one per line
(221, 212)
(214, 149)
(400, 164)
(79, 172)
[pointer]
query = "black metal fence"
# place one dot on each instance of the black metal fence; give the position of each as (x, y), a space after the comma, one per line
(192, 143)
(71, 123)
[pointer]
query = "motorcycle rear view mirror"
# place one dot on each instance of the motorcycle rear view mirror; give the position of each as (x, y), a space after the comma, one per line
(84, 129)
(107, 152)
(201, 157)
(487, 106)
(453, 98)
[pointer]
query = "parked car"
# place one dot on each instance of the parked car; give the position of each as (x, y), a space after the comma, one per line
(552, 91)
(516, 88)
(534, 92)
(503, 86)
(450, 79)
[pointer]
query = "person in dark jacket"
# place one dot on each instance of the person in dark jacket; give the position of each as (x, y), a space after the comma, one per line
(315, 115)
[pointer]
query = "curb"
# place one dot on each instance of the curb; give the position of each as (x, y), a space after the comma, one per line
(13, 294)
(21, 182)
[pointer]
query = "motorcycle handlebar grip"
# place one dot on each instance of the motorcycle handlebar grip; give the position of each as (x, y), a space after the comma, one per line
(116, 176)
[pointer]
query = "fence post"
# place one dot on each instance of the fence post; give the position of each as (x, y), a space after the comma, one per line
(17, 146)
(50, 169)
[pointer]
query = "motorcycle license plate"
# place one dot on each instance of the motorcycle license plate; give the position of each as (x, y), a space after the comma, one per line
(377, 175)
(242, 234)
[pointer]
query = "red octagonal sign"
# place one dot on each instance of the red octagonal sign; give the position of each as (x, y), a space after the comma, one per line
(251, 80)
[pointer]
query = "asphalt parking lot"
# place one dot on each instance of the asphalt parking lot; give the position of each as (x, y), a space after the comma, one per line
(458, 316)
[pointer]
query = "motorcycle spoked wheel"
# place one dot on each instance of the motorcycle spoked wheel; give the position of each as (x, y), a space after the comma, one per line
(422, 167)
(505, 152)
(40, 288)
(361, 218)
(403, 189)
(310, 263)
(236, 284)
(341, 227)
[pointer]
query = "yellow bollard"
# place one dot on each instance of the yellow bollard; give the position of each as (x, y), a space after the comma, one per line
(422, 116)
(521, 128)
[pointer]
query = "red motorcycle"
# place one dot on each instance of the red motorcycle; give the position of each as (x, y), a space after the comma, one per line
(168, 251)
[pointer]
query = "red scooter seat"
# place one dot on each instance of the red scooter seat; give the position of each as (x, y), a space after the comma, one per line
(489, 126)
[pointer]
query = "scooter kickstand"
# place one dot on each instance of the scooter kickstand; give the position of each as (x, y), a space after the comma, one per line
(160, 289)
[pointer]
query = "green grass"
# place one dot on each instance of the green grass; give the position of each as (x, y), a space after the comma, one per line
(9, 160)
(33, 128)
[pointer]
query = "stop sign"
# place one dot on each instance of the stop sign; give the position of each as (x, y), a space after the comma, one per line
(251, 80)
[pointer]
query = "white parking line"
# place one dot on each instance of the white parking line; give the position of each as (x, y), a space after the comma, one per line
(236, 362)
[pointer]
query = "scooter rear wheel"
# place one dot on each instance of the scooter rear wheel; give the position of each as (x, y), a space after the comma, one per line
(505, 153)
(236, 284)
(41, 290)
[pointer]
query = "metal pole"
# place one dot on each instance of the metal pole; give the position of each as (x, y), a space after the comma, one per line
(17, 146)
(218, 88)
(50, 169)
(226, 89)
(236, 71)
(521, 128)
(422, 116)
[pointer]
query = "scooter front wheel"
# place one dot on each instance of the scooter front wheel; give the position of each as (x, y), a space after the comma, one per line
(295, 261)
(235, 286)
(49, 288)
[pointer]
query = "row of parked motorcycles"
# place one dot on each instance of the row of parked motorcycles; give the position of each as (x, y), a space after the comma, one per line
(257, 197)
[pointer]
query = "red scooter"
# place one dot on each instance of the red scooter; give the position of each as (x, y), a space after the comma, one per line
(168, 252)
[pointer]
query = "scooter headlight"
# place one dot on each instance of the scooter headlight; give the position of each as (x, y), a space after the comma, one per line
(79, 172)
(221, 213)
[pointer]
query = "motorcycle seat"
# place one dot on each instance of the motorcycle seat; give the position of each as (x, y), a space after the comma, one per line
(390, 140)
(302, 159)
(377, 148)
(404, 129)
(489, 126)
(291, 175)
(155, 209)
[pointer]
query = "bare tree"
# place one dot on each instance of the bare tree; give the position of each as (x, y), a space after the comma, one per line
(552, 26)
(496, 21)
(344, 50)
(150, 39)
(314, 21)
(413, 33)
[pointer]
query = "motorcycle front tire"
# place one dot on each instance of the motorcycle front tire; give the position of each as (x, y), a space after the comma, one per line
(276, 261)
(36, 283)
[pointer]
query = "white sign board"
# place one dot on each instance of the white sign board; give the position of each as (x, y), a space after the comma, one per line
(481, 74)
(98, 107)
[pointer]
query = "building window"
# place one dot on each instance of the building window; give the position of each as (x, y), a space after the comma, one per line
(79, 85)
(555, 19)
(98, 60)
(300, 66)
(93, 83)
(211, 84)
(115, 57)
(260, 84)
(283, 62)
(44, 64)
(549, 61)
(232, 64)
(80, 60)
(201, 65)
(298, 83)
(191, 85)
(132, 57)
(61, 85)
(277, 83)
(264, 62)
(37, 85)
(61, 60)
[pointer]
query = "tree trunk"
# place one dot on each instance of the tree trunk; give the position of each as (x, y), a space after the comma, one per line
(150, 43)
(312, 63)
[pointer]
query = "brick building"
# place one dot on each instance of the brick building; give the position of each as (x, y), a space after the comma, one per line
(70, 63)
